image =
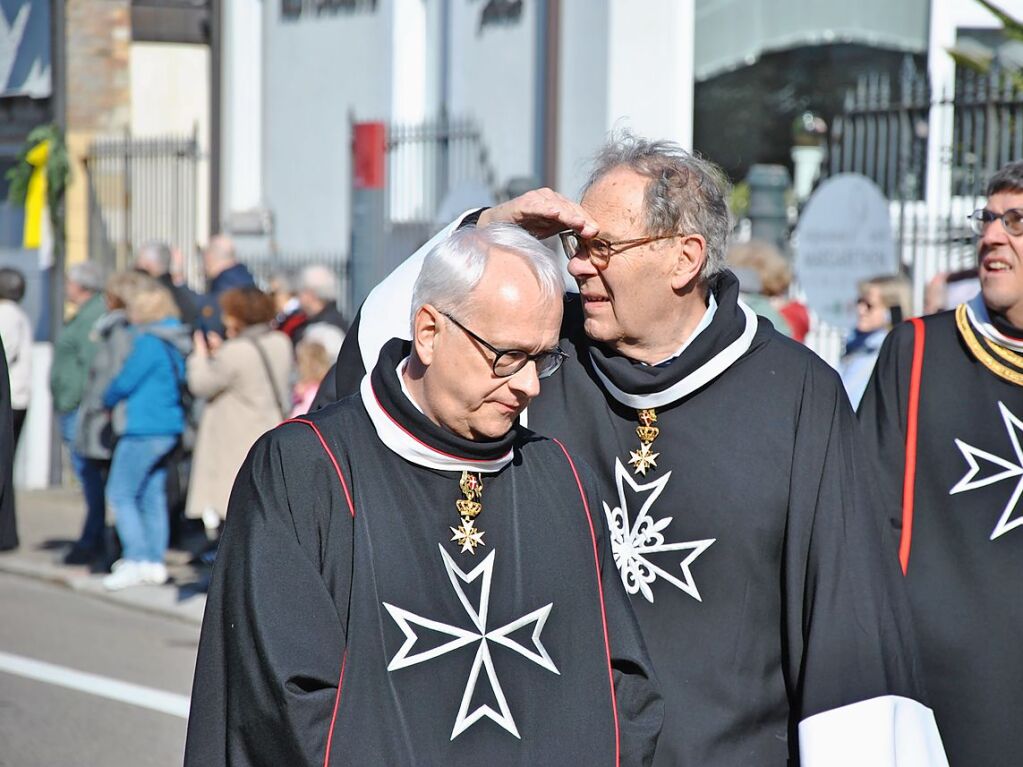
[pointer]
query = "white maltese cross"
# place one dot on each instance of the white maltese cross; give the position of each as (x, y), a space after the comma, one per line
(462, 637)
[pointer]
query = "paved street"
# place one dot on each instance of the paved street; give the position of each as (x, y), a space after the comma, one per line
(89, 677)
(74, 707)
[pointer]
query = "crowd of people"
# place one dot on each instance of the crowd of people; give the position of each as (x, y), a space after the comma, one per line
(160, 391)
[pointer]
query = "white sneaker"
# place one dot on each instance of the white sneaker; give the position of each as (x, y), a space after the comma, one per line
(129, 572)
(155, 573)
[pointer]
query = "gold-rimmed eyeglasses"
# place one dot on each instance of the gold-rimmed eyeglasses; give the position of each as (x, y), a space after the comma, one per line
(598, 250)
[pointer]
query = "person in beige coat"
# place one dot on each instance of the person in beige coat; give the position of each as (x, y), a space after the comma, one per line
(244, 379)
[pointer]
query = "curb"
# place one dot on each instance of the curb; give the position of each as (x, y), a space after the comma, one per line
(185, 603)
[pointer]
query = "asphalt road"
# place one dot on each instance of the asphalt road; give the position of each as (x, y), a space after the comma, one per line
(85, 682)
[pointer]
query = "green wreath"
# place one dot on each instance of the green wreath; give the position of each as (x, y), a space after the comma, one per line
(58, 174)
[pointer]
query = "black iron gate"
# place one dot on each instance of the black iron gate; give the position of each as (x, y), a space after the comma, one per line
(142, 189)
(931, 153)
(427, 168)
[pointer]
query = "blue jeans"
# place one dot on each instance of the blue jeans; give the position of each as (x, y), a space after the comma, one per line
(137, 489)
(90, 475)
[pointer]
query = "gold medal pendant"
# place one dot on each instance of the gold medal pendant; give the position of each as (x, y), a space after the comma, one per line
(645, 458)
(466, 534)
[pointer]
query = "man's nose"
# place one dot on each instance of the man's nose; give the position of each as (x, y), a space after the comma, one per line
(526, 381)
(994, 234)
(580, 266)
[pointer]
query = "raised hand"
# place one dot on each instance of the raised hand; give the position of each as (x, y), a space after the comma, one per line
(543, 213)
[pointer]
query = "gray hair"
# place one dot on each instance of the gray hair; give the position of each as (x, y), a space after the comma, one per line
(12, 285)
(88, 275)
(156, 253)
(685, 193)
(453, 269)
(320, 281)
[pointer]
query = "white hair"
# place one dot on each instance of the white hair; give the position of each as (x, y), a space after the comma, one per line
(453, 269)
(328, 336)
(157, 254)
(320, 281)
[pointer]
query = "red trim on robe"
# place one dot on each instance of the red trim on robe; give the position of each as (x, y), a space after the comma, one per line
(344, 656)
(603, 612)
(909, 477)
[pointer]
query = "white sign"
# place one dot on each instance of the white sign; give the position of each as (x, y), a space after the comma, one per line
(843, 236)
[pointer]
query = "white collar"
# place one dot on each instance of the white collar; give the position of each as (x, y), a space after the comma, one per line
(703, 375)
(403, 443)
(977, 311)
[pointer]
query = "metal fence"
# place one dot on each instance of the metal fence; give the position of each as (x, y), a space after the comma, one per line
(432, 171)
(143, 189)
(265, 265)
(932, 155)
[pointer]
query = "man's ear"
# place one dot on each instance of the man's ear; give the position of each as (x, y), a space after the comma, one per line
(425, 328)
(691, 257)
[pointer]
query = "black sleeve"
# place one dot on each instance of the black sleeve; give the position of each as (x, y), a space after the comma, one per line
(637, 695)
(882, 420)
(850, 648)
(8, 523)
(274, 632)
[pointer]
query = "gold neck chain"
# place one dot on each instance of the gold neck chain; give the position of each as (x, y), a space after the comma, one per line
(645, 458)
(467, 535)
(983, 356)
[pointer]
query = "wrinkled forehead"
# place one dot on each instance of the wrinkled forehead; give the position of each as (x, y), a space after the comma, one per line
(617, 201)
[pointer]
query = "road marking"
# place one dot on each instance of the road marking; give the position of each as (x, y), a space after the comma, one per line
(104, 687)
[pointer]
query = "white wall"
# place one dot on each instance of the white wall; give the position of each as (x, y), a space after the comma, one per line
(170, 93)
(623, 64)
(241, 148)
(316, 70)
(493, 78)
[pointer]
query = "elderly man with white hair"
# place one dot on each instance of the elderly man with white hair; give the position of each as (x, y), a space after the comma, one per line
(409, 577)
(317, 295)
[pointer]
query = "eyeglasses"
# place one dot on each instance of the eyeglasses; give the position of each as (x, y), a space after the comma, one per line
(508, 362)
(600, 251)
(1012, 220)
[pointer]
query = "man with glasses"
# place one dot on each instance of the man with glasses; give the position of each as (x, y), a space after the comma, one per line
(409, 577)
(943, 415)
(732, 482)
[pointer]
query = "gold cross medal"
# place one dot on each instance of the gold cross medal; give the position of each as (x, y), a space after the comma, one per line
(467, 535)
(645, 458)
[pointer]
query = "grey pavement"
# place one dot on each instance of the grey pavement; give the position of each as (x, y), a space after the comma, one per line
(49, 521)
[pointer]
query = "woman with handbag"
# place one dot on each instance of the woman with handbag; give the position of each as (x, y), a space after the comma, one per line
(244, 379)
(149, 383)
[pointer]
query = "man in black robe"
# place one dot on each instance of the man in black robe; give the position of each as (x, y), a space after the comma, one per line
(8, 520)
(408, 577)
(943, 415)
(733, 483)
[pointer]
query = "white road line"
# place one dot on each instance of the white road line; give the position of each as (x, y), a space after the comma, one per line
(133, 694)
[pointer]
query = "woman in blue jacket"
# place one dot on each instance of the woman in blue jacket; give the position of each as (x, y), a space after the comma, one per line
(150, 385)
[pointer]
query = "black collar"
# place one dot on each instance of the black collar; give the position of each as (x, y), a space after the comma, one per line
(725, 340)
(408, 432)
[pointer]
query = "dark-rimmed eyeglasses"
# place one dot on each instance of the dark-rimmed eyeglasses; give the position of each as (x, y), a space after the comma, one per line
(508, 362)
(598, 250)
(1012, 220)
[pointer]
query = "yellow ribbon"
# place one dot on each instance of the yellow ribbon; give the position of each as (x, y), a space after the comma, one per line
(35, 197)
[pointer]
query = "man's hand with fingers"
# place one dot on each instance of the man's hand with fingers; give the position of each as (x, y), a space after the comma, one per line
(543, 213)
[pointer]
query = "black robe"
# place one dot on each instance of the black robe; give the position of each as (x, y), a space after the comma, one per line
(954, 504)
(768, 598)
(8, 521)
(342, 620)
